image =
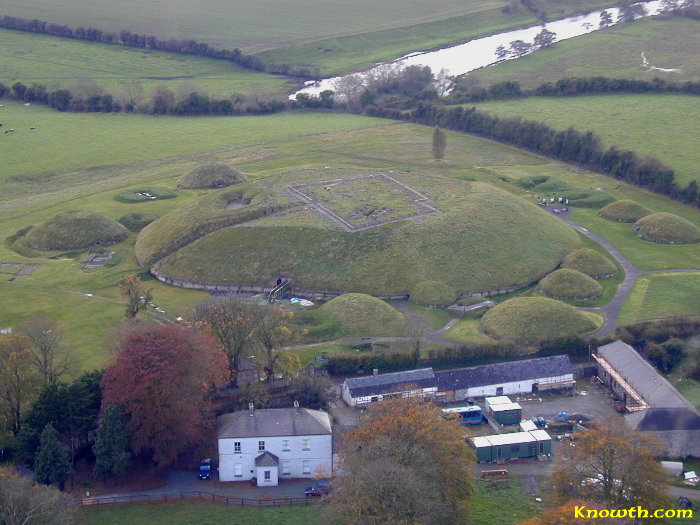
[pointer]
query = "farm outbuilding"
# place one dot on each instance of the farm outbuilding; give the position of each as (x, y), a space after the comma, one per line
(514, 377)
(507, 413)
(517, 445)
(655, 406)
(376, 387)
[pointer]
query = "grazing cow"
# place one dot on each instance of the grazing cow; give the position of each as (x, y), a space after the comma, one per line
(27, 105)
(2, 106)
(32, 129)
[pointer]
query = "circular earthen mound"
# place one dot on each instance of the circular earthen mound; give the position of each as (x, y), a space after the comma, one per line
(364, 315)
(570, 284)
(590, 262)
(536, 318)
(211, 175)
(623, 211)
(74, 230)
(667, 228)
(433, 293)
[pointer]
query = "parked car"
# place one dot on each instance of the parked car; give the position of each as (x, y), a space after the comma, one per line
(205, 469)
(320, 488)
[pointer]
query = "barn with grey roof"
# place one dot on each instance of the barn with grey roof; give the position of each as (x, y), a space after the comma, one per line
(376, 387)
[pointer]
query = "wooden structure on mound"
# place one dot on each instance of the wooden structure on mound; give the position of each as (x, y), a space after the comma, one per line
(284, 284)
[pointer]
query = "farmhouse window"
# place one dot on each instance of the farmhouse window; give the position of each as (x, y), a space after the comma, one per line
(267, 475)
(285, 445)
(306, 467)
(237, 470)
(306, 443)
(237, 447)
(261, 446)
(286, 468)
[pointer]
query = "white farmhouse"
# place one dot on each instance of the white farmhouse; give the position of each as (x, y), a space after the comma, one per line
(273, 444)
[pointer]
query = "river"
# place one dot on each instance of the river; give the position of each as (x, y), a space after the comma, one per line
(475, 54)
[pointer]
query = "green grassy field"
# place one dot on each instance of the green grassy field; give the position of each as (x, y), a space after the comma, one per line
(663, 126)
(78, 65)
(468, 331)
(337, 36)
(103, 155)
(656, 296)
(198, 513)
(615, 52)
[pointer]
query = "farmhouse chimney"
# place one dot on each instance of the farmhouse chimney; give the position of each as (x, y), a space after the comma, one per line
(375, 371)
(251, 409)
(296, 407)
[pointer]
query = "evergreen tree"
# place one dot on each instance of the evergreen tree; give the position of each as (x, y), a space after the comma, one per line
(51, 463)
(439, 143)
(111, 455)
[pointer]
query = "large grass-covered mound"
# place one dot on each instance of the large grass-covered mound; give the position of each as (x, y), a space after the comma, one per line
(667, 228)
(590, 262)
(364, 315)
(480, 238)
(623, 211)
(570, 284)
(73, 230)
(212, 175)
(535, 318)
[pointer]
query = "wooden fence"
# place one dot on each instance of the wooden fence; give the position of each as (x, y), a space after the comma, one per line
(207, 496)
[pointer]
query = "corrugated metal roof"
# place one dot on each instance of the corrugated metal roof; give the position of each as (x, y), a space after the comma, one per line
(541, 435)
(268, 422)
(500, 373)
(392, 382)
(527, 425)
(513, 438)
(642, 376)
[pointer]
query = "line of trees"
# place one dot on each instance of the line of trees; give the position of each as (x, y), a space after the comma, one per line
(163, 101)
(465, 91)
(127, 38)
(571, 145)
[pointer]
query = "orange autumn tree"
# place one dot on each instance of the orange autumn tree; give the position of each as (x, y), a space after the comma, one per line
(160, 379)
(611, 464)
(404, 465)
(566, 515)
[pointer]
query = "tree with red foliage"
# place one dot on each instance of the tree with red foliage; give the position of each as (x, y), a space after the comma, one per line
(160, 379)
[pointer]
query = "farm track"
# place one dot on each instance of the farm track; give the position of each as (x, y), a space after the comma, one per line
(612, 309)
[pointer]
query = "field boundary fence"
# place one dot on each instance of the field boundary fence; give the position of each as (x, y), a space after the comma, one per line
(206, 496)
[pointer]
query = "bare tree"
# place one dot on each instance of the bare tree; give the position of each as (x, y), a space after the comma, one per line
(443, 82)
(51, 358)
(416, 334)
(135, 293)
(23, 502)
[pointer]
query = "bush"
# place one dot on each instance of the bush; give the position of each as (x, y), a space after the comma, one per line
(590, 262)
(570, 284)
(212, 175)
(433, 293)
(667, 228)
(136, 221)
(623, 211)
(74, 230)
(144, 195)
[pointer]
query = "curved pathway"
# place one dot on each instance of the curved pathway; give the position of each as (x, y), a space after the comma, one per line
(612, 309)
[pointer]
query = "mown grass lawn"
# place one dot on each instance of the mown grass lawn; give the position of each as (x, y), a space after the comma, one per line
(198, 513)
(467, 331)
(656, 296)
(660, 125)
(500, 502)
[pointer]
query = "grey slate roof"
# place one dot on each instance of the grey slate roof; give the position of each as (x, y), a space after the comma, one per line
(267, 459)
(393, 382)
(500, 373)
(642, 376)
(270, 422)
(661, 419)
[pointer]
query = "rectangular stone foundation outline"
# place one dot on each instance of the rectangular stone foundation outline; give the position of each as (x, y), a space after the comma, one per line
(420, 201)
